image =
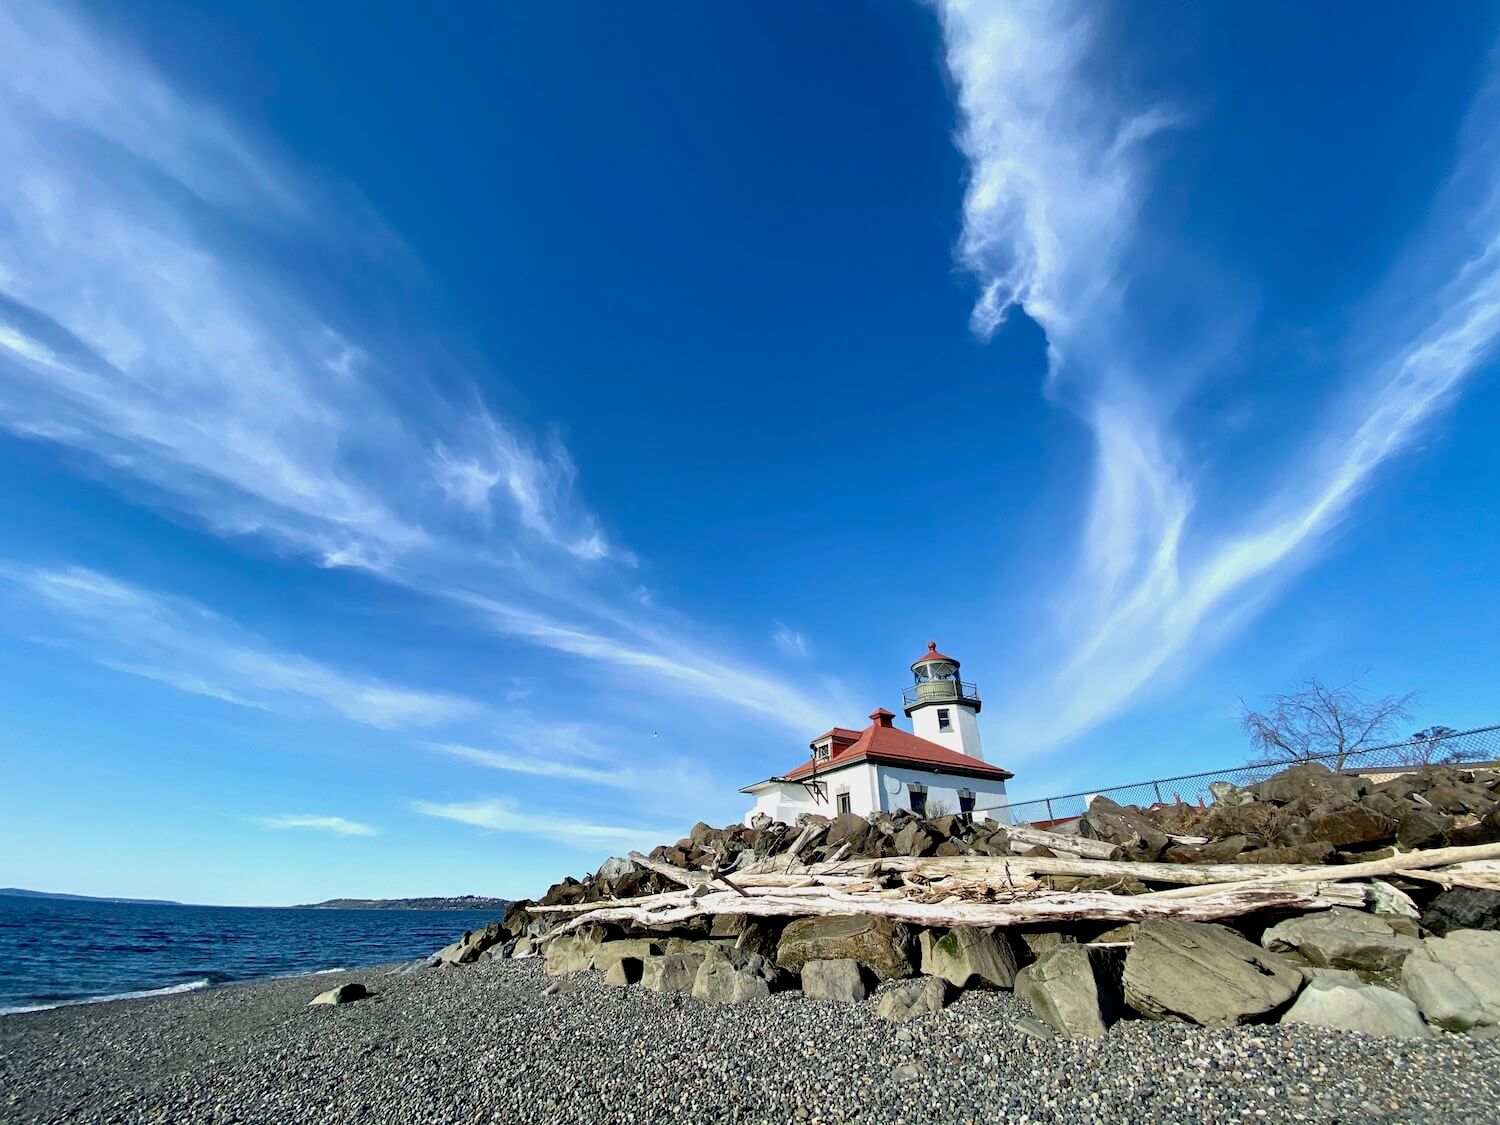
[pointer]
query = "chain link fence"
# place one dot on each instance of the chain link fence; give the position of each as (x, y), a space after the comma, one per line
(1468, 747)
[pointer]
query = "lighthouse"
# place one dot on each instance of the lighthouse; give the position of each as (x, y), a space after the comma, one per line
(941, 707)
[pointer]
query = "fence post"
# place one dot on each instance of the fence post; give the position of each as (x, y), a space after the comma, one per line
(1156, 785)
(1049, 808)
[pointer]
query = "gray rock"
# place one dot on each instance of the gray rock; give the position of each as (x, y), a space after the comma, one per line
(1125, 826)
(1463, 908)
(570, 953)
(674, 972)
(1357, 1007)
(1455, 980)
(559, 988)
(623, 971)
(912, 999)
(915, 840)
(606, 954)
(840, 980)
(1034, 1028)
(614, 867)
(967, 955)
(1040, 942)
(1202, 973)
(1342, 939)
(1072, 989)
(728, 976)
(343, 994)
(882, 946)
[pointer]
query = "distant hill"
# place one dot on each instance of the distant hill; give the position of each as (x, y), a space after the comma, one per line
(462, 902)
(20, 892)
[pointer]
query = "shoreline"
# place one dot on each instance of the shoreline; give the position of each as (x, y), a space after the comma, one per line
(482, 1041)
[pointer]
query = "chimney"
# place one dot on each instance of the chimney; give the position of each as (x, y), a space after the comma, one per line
(882, 717)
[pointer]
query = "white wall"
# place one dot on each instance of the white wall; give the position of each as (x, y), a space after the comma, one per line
(989, 796)
(866, 785)
(964, 734)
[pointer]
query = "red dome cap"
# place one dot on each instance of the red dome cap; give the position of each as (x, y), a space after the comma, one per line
(933, 656)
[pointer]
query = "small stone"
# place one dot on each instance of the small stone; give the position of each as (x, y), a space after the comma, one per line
(343, 994)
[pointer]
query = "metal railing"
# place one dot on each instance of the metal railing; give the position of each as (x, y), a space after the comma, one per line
(1469, 747)
(938, 691)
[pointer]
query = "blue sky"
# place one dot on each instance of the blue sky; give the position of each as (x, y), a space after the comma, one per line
(443, 452)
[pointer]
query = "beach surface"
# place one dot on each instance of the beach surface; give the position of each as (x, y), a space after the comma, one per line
(483, 1043)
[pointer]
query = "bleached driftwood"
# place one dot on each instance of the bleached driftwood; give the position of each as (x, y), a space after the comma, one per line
(1028, 911)
(1481, 875)
(1404, 863)
(1057, 842)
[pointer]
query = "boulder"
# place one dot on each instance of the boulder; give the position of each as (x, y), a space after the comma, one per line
(839, 980)
(1357, 1007)
(1463, 908)
(1215, 851)
(1295, 853)
(952, 847)
(468, 949)
(1307, 779)
(728, 976)
(1422, 828)
(624, 971)
(1455, 980)
(614, 867)
(1346, 824)
(1342, 939)
(570, 953)
(1124, 826)
(912, 998)
(882, 946)
(1073, 989)
(1460, 798)
(1202, 973)
(968, 955)
(1254, 819)
(606, 954)
(1468, 831)
(343, 994)
(1041, 942)
(673, 972)
(915, 840)
(848, 828)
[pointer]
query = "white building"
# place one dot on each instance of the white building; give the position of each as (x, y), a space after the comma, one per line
(940, 765)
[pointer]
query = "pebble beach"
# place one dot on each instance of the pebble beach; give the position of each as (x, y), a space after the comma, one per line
(485, 1043)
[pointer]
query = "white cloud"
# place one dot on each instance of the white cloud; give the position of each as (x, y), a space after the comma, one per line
(791, 642)
(1059, 168)
(535, 765)
(336, 824)
(180, 643)
(143, 323)
(500, 815)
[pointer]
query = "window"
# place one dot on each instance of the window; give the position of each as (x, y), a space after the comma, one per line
(944, 721)
(966, 801)
(820, 751)
(844, 803)
(918, 800)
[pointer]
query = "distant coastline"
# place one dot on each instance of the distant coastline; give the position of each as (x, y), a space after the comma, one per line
(21, 892)
(461, 902)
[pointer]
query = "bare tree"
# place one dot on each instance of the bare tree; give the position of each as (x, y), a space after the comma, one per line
(1318, 721)
(1430, 746)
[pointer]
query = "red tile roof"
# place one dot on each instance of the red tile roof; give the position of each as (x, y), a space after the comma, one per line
(882, 742)
(838, 734)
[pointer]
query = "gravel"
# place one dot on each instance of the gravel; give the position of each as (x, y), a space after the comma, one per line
(481, 1043)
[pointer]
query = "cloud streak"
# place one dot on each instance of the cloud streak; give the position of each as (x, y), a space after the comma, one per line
(1059, 169)
(500, 815)
(179, 643)
(335, 824)
(150, 320)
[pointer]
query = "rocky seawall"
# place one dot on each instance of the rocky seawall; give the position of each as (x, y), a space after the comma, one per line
(1312, 898)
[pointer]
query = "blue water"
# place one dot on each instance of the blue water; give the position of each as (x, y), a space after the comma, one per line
(59, 952)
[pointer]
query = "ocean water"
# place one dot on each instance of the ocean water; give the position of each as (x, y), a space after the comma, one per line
(53, 951)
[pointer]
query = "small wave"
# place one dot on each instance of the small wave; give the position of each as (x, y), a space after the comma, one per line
(169, 990)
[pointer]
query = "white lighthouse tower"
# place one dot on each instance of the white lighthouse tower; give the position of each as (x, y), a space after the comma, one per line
(941, 707)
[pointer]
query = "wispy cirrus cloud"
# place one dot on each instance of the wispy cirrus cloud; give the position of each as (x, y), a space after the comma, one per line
(335, 824)
(149, 320)
(791, 642)
(499, 814)
(1059, 169)
(175, 641)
